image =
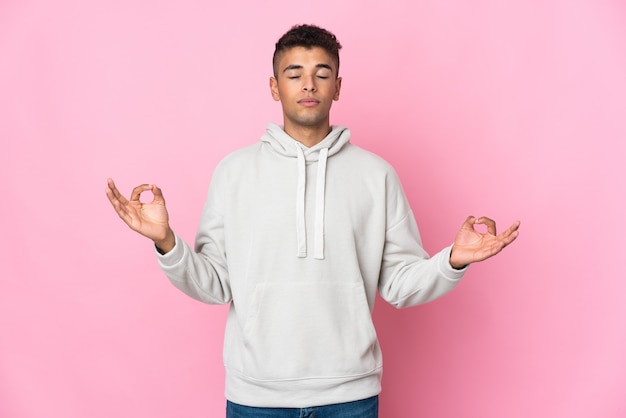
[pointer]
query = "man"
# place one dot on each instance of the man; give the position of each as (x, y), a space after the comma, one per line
(298, 233)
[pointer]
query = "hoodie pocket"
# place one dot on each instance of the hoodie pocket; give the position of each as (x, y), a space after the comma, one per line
(309, 330)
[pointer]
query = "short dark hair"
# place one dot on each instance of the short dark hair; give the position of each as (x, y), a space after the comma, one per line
(307, 36)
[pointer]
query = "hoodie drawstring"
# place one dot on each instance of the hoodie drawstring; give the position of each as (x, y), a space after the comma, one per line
(285, 146)
(319, 204)
(300, 197)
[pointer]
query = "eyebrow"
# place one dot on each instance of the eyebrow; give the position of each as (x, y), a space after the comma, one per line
(299, 67)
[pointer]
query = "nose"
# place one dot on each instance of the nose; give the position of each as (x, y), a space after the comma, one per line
(309, 84)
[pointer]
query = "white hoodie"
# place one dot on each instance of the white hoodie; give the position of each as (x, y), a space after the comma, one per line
(298, 240)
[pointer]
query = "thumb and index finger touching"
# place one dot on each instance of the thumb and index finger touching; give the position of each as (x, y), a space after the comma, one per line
(156, 192)
(483, 220)
(114, 194)
(491, 225)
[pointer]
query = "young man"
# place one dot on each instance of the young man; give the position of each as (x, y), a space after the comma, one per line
(298, 233)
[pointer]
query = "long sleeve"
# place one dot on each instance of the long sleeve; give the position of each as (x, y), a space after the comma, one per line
(202, 272)
(408, 275)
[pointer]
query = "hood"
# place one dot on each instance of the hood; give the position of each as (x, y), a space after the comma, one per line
(286, 146)
(289, 147)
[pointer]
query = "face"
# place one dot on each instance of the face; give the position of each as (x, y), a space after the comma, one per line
(306, 84)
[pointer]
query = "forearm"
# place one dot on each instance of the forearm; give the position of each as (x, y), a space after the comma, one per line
(415, 280)
(200, 276)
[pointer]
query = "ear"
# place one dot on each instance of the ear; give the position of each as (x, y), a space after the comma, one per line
(337, 88)
(274, 88)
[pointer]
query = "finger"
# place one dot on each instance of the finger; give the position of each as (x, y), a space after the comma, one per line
(137, 191)
(110, 190)
(112, 193)
(513, 228)
(506, 241)
(120, 208)
(490, 223)
(115, 192)
(510, 234)
(111, 197)
(511, 238)
(158, 194)
(469, 222)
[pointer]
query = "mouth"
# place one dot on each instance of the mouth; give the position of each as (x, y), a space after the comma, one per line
(308, 102)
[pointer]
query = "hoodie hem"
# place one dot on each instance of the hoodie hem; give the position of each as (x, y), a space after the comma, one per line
(301, 393)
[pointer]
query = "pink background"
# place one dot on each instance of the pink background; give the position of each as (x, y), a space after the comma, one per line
(516, 110)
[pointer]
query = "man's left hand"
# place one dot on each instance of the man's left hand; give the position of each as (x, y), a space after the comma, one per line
(471, 246)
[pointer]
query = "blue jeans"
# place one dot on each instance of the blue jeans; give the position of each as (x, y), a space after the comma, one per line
(366, 408)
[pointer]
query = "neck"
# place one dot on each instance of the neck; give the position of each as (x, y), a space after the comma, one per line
(309, 136)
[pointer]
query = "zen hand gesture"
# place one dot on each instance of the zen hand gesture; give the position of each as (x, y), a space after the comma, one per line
(471, 246)
(149, 219)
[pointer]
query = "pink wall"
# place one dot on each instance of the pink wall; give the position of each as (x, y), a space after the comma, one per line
(515, 110)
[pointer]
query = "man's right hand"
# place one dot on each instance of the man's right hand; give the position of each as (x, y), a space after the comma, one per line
(149, 219)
